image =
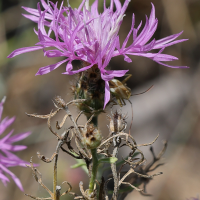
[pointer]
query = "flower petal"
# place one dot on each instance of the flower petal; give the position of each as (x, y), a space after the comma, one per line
(171, 66)
(49, 68)
(107, 94)
(70, 67)
(16, 180)
(3, 177)
(24, 50)
(113, 73)
(5, 123)
(18, 137)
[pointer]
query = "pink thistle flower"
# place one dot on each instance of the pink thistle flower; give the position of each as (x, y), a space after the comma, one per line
(7, 158)
(87, 35)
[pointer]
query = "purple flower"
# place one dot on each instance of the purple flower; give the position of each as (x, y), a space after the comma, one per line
(87, 35)
(7, 158)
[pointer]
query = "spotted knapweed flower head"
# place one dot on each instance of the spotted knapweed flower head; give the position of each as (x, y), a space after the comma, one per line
(92, 37)
(7, 158)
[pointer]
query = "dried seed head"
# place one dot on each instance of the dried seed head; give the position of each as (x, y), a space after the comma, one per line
(91, 136)
(60, 102)
(117, 122)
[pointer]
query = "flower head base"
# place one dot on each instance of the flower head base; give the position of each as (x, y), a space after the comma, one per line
(90, 87)
(91, 136)
(7, 158)
(87, 35)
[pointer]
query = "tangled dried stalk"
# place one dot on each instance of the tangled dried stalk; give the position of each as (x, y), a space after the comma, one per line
(108, 149)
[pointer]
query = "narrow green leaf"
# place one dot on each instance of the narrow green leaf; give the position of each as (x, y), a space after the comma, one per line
(78, 165)
(122, 161)
(108, 160)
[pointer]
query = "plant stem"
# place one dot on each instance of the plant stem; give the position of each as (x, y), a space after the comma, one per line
(94, 120)
(94, 170)
(116, 143)
(55, 169)
(95, 161)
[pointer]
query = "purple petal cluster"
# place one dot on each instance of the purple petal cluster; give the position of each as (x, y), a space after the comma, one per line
(87, 35)
(7, 158)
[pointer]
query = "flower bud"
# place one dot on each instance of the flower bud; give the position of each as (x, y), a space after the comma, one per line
(91, 136)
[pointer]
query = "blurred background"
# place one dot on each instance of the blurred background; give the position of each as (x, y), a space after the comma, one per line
(171, 108)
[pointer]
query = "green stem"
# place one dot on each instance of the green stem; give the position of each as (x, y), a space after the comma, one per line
(95, 164)
(94, 120)
(95, 161)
